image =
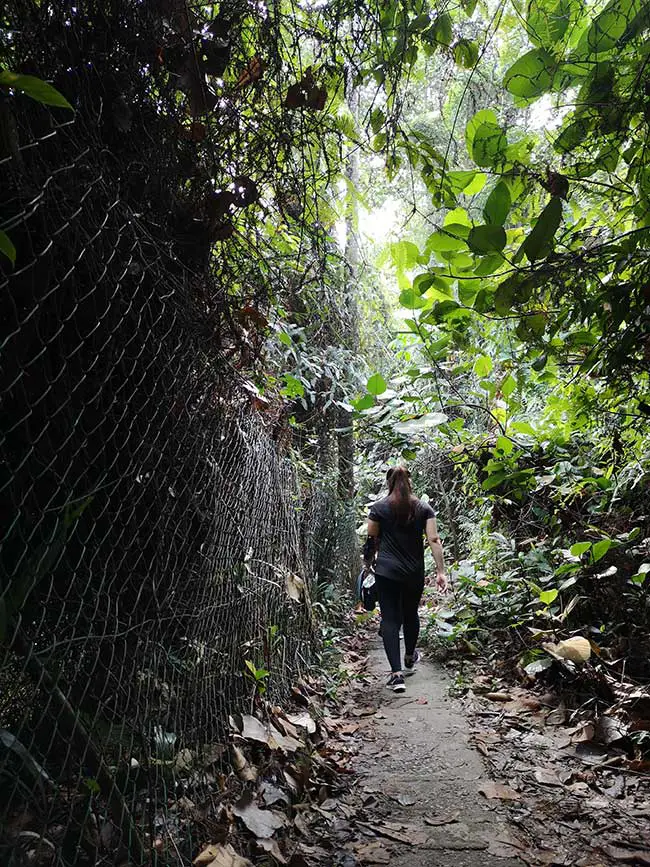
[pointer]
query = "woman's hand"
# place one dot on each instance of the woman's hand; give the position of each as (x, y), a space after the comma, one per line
(441, 582)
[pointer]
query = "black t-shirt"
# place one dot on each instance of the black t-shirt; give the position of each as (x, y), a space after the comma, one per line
(401, 546)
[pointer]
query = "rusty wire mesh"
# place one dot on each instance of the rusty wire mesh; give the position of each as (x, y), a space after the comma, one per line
(157, 550)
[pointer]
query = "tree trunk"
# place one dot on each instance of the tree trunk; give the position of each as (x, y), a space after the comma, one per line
(350, 278)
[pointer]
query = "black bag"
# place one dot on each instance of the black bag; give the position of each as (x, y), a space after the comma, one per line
(367, 595)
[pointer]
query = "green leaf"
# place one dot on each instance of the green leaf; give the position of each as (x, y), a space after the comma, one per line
(531, 75)
(548, 596)
(489, 145)
(7, 247)
(508, 385)
(495, 480)
(443, 242)
(365, 402)
(442, 29)
(35, 88)
(600, 548)
(539, 242)
(504, 445)
(576, 133)
(609, 26)
(540, 362)
(467, 182)
(498, 205)
(376, 384)
(468, 7)
(523, 427)
(641, 574)
(466, 53)
(483, 366)
(412, 300)
(293, 388)
(487, 239)
(579, 548)
(547, 21)
(485, 115)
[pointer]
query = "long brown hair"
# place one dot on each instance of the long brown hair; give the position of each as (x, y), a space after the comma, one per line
(400, 494)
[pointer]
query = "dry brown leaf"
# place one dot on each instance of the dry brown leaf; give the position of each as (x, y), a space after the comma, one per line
(372, 853)
(547, 776)
(243, 769)
(272, 848)
(575, 649)
(498, 696)
(634, 856)
(220, 856)
(609, 730)
(261, 823)
(436, 821)
(500, 791)
(255, 730)
(295, 586)
(584, 733)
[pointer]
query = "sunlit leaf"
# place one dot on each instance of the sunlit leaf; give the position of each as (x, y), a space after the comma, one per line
(531, 75)
(35, 88)
(376, 384)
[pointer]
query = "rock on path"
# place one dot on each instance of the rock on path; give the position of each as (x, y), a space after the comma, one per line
(421, 779)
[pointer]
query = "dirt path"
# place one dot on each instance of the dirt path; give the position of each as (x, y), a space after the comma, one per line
(421, 778)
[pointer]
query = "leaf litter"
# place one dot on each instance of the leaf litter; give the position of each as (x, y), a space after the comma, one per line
(568, 773)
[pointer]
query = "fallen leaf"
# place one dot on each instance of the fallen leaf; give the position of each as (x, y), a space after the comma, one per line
(636, 856)
(372, 853)
(583, 733)
(261, 823)
(436, 821)
(220, 856)
(498, 696)
(405, 800)
(609, 730)
(575, 649)
(254, 730)
(302, 720)
(547, 776)
(272, 794)
(500, 791)
(241, 765)
(271, 846)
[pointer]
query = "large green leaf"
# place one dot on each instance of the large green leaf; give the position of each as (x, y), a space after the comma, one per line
(487, 239)
(539, 242)
(35, 88)
(466, 53)
(531, 75)
(608, 28)
(467, 182)
(442, 29)
(547, 21)
(489, 145)
(376, 384)
(412, 300)
(444, 242)
(485, 115)
(498, 205)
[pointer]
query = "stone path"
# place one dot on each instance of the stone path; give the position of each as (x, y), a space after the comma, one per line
(417, 769)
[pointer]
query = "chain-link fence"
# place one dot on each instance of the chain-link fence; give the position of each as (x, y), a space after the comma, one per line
(157, 550)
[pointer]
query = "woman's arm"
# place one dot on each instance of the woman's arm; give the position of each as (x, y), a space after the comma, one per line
(436, 549)
(371, 545)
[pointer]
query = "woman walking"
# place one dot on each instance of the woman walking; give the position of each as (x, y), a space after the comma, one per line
(395, 545)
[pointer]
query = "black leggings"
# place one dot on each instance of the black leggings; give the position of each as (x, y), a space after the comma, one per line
(399, 603)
